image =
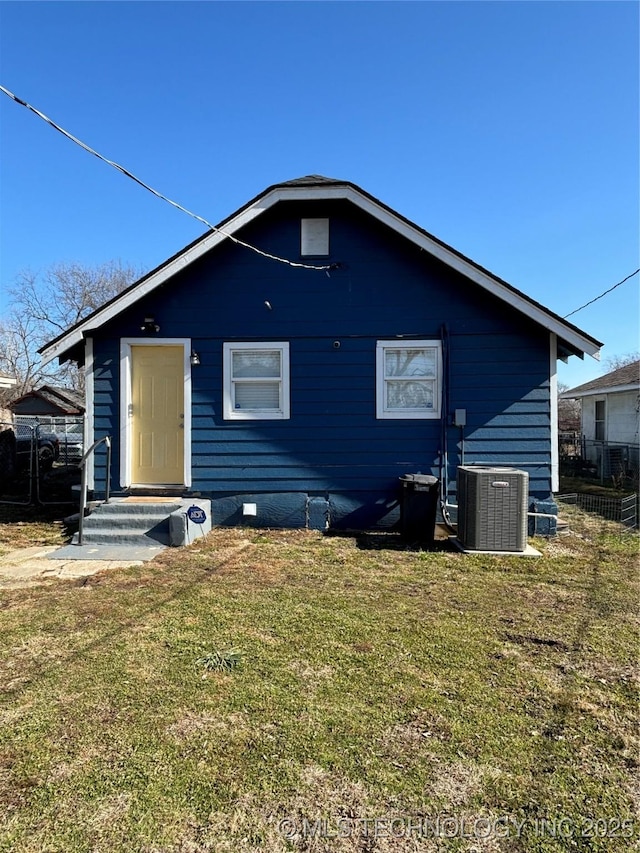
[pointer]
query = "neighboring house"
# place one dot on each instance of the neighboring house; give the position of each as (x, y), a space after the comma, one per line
(50, 402)
(610, 416)
(6, 381)
(304, 394)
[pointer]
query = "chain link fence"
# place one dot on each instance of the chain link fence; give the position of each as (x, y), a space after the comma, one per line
(39, 459)
(608, 463)
(623, 511)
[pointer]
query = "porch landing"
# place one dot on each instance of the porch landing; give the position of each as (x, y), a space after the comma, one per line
(121, 553)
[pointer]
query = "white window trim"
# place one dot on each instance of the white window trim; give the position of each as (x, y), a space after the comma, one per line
(382, 413)
(604, 421)
(232, 414)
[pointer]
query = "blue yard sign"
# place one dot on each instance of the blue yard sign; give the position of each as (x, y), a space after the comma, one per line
(196, 514)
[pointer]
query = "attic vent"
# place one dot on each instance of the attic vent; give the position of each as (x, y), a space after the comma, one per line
(314, 237)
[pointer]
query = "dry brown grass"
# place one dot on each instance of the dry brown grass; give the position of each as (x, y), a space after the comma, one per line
(376, 682)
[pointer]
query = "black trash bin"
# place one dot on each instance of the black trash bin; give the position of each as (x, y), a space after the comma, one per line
(418, 507)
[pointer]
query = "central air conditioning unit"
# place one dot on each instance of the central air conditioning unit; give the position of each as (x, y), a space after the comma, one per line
(492, 508)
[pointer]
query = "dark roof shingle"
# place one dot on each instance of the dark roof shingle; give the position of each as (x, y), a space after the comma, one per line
(627, 375)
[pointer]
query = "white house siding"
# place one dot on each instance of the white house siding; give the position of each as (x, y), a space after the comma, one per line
(589, 417)
(621, 413)
(623, 417)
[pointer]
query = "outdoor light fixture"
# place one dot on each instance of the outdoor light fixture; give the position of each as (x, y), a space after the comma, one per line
(149, 325)
(195, 358)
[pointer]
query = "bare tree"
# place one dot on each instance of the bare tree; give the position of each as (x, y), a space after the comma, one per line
(616, 361)
(44, 305)
(568, 411)
(17, 353)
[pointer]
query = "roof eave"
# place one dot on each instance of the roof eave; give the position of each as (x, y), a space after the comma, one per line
(576, 339)
(593, 392)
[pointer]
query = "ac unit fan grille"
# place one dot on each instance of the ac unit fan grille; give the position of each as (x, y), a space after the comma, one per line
(492, 508)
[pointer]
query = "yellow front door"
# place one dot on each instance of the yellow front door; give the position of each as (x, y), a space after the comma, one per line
(157, 415)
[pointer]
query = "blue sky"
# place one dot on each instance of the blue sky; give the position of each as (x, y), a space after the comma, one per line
(508, 130)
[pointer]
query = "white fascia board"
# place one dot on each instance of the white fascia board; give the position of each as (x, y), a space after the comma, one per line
(149, 284)
(446, 256)
(324, 193)
(481, 278)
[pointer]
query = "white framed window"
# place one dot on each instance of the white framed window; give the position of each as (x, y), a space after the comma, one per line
(255, 381)
(600, 420)
(408, 379)
(314, 237)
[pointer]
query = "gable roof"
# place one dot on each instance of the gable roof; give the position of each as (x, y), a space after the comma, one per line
(571, 339)
(625, 378)
(69, 402)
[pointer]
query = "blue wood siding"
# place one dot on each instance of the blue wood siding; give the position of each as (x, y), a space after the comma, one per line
(333, 448)
(106, 409)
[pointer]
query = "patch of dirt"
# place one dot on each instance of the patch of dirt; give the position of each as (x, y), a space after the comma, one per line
(309, 673)
(455, 784)
(109, 810)
(192, 724)
(524, 639)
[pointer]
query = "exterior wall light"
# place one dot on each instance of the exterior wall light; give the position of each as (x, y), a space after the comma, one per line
(195, 359)
(149, 325)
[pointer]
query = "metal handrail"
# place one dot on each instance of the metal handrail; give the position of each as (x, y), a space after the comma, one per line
(83, 484)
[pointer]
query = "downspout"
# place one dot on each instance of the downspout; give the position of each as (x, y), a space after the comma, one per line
(444, 452)
(553, 410)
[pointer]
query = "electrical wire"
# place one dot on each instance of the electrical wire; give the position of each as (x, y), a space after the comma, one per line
(205, 222)
(602, 294)
(159, 195)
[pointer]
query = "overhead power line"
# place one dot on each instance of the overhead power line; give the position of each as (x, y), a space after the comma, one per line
(205, 222)
(595, 299)
(175, 204)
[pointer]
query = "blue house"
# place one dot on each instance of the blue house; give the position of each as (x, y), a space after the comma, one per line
(310, 350)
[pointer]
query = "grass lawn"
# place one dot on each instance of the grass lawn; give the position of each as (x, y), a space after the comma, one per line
(282, 690)
(23, 527)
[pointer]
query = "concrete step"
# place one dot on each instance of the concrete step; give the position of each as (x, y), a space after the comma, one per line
(123, 521)
(126, 522)
(106, 536)
(119, 507)
(144, 522)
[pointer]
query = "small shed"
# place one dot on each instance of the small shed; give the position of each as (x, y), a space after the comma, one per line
(49, 401)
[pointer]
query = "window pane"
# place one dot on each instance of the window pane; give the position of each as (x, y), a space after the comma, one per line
(600, 420)
(410, 362)
(256, 395)
(256, 363)
(403, 394)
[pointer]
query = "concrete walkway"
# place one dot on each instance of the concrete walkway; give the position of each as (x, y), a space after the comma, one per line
(31, 566)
